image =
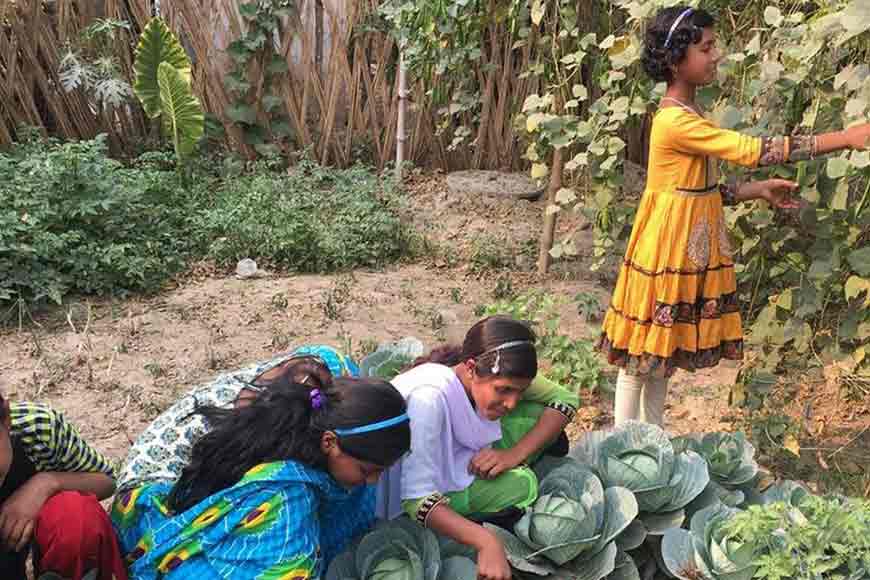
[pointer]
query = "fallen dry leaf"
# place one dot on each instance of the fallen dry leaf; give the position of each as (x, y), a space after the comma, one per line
(790, 442)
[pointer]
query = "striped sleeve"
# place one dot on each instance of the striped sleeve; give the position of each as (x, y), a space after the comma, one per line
(553, 395)
(53, 443)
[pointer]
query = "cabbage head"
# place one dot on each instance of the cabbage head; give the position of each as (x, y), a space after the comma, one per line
(731, 462)
(640, 457)
(391, 358)
(707, 550)
(402, 549)
(730, 457)
(788, 492)
(571, 529)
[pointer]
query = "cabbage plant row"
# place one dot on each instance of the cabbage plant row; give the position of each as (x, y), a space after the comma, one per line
(632, 504)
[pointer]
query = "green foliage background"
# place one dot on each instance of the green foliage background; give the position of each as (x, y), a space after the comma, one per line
(789, 67)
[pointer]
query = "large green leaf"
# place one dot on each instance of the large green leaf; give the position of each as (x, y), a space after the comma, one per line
(693, 478)
(625, 568)
(342, 567)
(157, 45)
(593, 568)
(458, 568)
(519, 555)
(657, 524)
(632, 537)
(182, 114)
(678, 553)
(860, 261)
(621, 510)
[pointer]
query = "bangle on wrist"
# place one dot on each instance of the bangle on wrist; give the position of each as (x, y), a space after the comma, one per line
(728, 191)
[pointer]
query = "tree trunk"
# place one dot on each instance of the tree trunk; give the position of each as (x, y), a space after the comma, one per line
(550, 218)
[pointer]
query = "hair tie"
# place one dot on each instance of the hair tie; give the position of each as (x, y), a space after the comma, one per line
(316, 398)
(676, 23)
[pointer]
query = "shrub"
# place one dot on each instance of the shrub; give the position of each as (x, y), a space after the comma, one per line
(73, 220)
(310, 219)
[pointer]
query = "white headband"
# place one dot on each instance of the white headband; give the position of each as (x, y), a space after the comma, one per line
(497, 350)
(676, 23)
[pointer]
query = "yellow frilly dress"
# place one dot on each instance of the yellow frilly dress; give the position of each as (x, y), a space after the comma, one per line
(675, 303)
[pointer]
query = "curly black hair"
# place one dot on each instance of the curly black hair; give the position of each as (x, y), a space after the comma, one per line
(659, 60)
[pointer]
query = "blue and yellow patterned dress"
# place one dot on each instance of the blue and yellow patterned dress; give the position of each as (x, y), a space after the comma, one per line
(282, 521)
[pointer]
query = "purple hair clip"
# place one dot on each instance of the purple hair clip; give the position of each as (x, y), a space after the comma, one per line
(316, 399)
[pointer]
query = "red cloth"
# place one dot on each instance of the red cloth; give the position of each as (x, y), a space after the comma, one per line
(74, 536)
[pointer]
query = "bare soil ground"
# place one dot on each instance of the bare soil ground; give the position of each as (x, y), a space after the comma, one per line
(113, 365)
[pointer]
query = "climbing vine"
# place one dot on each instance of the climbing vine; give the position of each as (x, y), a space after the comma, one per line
(789, 67)
(259, 67)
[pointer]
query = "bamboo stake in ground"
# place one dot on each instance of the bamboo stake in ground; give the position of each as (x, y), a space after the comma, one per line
(550, 217)
(400, 122)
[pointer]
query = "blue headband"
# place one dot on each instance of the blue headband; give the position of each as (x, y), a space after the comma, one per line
(676, 23)
(372, 426)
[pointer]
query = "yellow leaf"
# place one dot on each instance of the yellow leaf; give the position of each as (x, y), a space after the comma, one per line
(538, 10)
(539, 170)
(855, 285)
(737, 397)
(532, 152)
(784, 300)
(841, 196)
(620, 44)
(790, 443)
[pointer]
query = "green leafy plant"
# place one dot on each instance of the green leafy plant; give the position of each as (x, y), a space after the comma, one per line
(163, 86)
(77, 221)
(571, 529)
(488, 253)
(535, 307)
(571, 362)
(730, 457)
(811, 538)
(588, 306)
(708, 550)
(402, 549)
(641, 457)
(574, 362)
(788, 492)
(91, 65)
(310, 219)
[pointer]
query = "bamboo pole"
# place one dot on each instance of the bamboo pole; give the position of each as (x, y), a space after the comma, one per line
(400, 123)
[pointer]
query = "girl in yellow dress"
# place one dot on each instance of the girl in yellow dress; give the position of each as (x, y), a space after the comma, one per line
(675, 303)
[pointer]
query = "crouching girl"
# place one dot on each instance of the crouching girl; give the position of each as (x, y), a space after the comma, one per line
(480, 417)
(275, 489)
(51, 484)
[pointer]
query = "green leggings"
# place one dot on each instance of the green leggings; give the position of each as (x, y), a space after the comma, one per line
(517, 487)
